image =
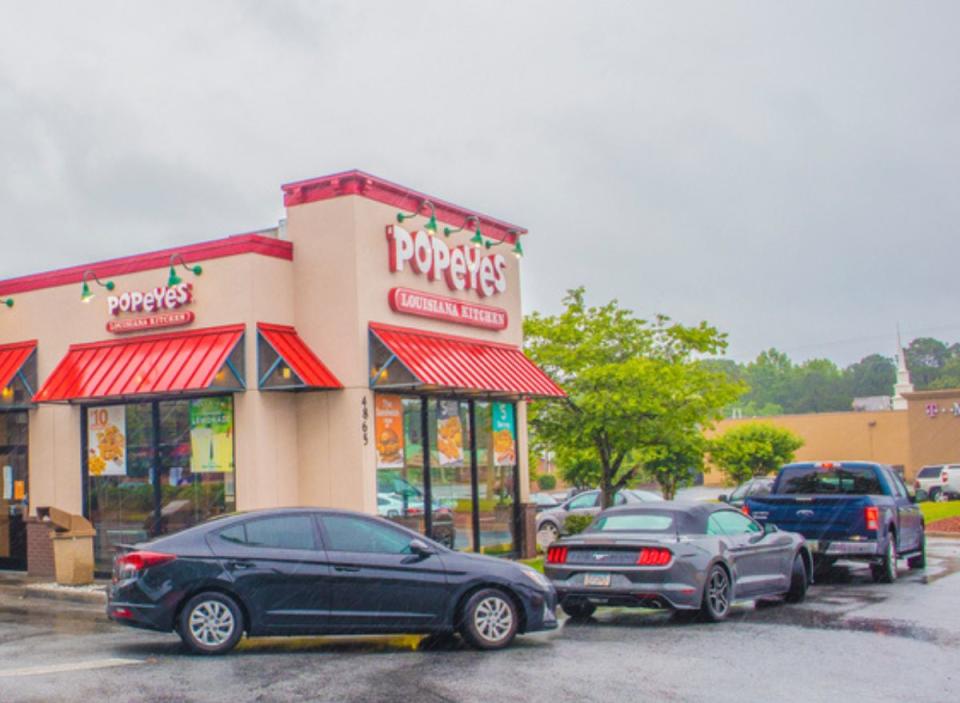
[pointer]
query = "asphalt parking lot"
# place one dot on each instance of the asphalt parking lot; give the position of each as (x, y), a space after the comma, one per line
(851, 638)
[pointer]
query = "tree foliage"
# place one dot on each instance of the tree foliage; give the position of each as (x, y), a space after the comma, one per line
(636, 389)
(753, 449)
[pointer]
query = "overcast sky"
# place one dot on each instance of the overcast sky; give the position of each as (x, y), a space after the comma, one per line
(786, 171)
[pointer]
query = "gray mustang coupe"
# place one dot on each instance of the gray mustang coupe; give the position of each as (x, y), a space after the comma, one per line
(694, 558)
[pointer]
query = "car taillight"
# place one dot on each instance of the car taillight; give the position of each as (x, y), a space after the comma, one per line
(943, 477)
(557, 555)
(745, 509)
(133, 563)
(654, 556)
(871, 514)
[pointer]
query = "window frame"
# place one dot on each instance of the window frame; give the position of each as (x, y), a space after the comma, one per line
(739, 515)
(384, 524)
(310, 517)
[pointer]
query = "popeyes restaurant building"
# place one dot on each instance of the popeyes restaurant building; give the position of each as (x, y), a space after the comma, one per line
(365, 354)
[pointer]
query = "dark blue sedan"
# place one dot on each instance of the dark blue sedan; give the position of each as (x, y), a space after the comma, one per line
(304, 571)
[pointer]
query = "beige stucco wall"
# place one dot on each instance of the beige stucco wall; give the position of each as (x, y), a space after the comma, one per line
(869, 436)
(933, 440)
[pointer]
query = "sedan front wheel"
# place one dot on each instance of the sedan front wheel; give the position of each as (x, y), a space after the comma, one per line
(489, 619)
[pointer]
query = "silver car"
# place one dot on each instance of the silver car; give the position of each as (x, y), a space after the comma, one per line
(550, 521)
(693, 558)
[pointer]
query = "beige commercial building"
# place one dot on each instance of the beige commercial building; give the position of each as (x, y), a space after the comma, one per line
(364, 354)
(925, 432)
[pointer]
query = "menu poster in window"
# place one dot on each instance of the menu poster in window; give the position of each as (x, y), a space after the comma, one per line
(504, 434)
(107, 441)
(211, 435)
(388, 425)
(449, 433)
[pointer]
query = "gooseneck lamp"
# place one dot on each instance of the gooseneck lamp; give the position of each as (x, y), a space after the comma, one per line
(86, 294)
(431, 226)
(173, 279)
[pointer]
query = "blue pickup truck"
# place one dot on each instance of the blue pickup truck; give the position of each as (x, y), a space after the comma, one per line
(847, 510)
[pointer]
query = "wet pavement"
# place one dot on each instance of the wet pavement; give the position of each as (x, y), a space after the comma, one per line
(851, 638)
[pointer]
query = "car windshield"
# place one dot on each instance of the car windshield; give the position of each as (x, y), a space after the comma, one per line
(847, 480)
(633, 522)
(930, 472)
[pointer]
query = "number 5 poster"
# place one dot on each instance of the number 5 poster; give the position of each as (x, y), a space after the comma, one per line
(449, 433)
(107, 441)
(504, 435)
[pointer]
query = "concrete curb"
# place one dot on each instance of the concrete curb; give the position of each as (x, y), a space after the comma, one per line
(87, 597)
(948, 535)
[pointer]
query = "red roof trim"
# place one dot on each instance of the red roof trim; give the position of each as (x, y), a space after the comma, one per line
(299, 356)
(12, 358)
(252, 243)
(379, 326)
(160, 363)
(355, 182)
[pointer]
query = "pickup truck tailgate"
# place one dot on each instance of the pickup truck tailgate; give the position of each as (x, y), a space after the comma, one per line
(820, 517)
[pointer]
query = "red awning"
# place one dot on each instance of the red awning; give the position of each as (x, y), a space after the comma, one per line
(12, 358)
(298, 356)
(465, 364)
(163, 363)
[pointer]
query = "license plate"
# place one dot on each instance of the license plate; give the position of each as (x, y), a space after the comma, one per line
(596, 580)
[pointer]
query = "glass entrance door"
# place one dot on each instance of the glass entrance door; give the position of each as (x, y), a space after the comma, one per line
(13, 489)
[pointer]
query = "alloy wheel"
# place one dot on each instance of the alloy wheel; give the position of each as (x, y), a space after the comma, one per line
(718, 592)
(211, 623)
(493, 619)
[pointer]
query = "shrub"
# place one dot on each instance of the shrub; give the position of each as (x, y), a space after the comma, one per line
(575, 524)
(546, 482)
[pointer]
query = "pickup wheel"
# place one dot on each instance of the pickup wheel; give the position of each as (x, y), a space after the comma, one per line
(919, 560)
(937, 496)
(798, 581)
(886, 570)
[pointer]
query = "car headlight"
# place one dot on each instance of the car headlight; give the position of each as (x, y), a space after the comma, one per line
(535, 576)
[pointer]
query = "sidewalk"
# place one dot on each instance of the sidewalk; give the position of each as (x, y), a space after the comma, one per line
(18, 585)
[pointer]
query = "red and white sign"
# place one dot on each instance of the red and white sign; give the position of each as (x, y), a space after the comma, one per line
(438, 307)
(462, 267)
(155, 300)
(150, 322)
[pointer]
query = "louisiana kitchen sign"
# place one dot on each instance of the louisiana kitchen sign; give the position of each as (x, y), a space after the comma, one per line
(438, 307)
(153, 309)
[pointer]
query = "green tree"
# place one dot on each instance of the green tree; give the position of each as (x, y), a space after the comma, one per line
(926, 357)
(872, 375)
(634, 386)
(817, 386)
(753, 449)
(677, 465)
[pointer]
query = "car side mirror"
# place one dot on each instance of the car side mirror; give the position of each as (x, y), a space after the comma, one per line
(723, 498)
(420, 548)
(920, 496)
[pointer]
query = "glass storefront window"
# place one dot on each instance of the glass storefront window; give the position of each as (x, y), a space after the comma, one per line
(13, 489)
(462, 516)
(157, 467)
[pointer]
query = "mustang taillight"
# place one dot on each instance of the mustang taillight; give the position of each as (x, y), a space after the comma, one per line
(871, 514)
(133, 563)
(557, 555)
(654, 556)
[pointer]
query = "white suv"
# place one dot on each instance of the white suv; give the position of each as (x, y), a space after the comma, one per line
(940, 481)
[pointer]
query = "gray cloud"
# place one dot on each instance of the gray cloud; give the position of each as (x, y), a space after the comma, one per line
(786, 171)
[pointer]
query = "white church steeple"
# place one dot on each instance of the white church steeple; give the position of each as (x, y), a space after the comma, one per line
(903, 384)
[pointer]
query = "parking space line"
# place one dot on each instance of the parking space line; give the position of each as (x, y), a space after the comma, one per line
(75, 666)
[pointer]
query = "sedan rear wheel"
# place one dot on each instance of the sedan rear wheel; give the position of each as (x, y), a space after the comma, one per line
(489, 619)
(210, 623)
(717, 595)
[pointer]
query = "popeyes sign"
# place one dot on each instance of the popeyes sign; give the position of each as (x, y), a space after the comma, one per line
(461, 268)
(156, 308)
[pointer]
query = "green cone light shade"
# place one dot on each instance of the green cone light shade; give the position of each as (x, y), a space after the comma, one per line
(431, 225)
(518, 249)
(86, 295)
(8, 302)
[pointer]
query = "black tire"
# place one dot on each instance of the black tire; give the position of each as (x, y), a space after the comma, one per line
(934, 495)
(919, 560)
(822, 566)
(489, 619)
(798, 581)
(579, 610)
(886, 570)
(717, 595)
(210, 623)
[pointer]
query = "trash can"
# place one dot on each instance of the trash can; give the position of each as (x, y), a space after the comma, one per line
(72, 537)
